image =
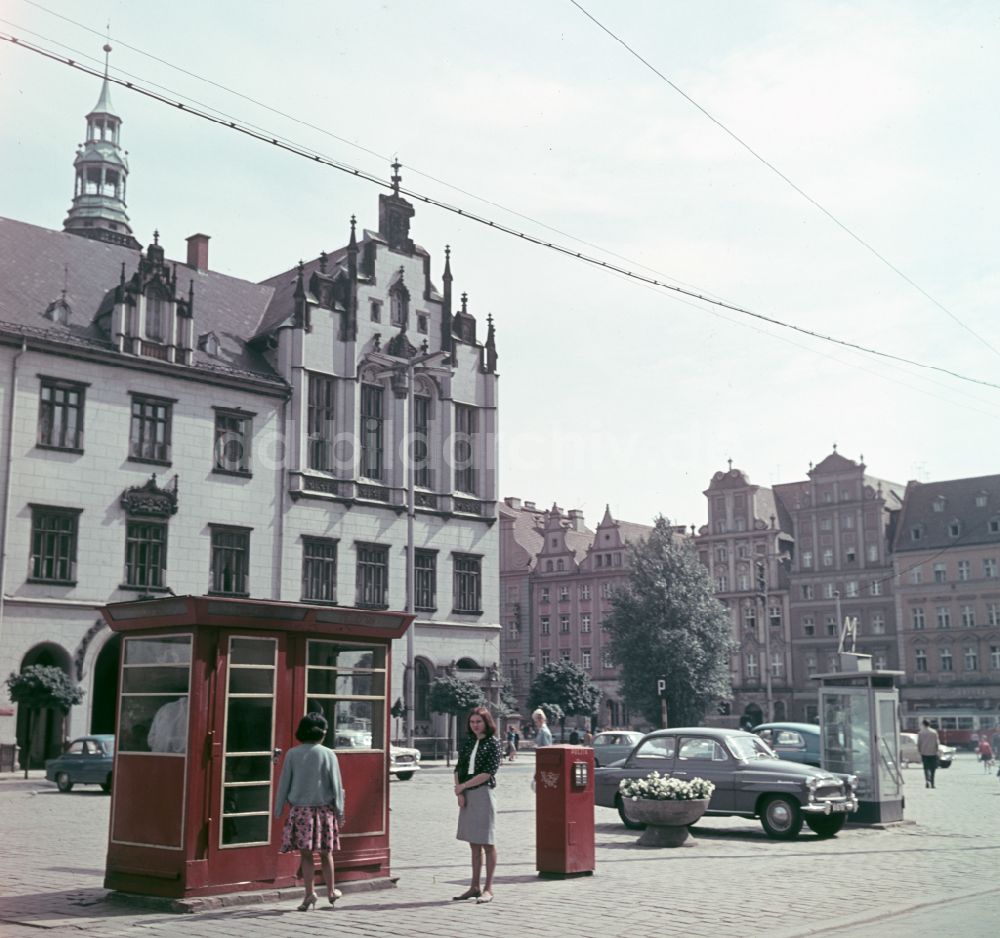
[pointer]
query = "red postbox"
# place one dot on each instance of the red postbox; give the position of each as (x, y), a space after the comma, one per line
(564, 810)
(210, 692)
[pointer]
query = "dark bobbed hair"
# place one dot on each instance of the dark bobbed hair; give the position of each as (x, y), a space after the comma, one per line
(491, 724)
(312, 728)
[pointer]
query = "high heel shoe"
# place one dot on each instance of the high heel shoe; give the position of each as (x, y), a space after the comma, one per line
(333, 895)
(307, 903)
(468, 894)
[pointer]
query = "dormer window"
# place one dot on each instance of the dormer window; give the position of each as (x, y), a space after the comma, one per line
(209, 344)
(954, 528)
(938, 504)
(916, 532)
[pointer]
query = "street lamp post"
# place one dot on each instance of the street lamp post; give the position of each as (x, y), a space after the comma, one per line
(402, 372)
(763, 577)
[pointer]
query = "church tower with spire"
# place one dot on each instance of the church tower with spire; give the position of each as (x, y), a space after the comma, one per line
(98, 210)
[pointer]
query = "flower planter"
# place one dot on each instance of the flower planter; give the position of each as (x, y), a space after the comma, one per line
(666, 821)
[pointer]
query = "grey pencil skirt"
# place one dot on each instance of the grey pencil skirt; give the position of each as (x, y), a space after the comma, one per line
(477, 820)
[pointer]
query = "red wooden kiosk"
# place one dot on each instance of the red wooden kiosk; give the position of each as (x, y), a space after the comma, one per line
(210, 692)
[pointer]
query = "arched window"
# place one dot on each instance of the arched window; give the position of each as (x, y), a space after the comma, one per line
(422, 691)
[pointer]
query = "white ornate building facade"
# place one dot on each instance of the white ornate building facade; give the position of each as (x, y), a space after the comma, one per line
(169, 429)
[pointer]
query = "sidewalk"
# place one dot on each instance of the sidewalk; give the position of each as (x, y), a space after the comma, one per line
(935, 870)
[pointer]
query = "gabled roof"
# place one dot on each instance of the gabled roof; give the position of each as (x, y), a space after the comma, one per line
(282, 287)
(957, 498)
(528, 539)
(834, 463)
(35, 263)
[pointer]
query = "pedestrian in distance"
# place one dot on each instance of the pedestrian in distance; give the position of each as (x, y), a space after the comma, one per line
(511, 745)
(986, 754)
(927, 746)
(588, 738)
(543, 735)
(311, 784)
(479, 760)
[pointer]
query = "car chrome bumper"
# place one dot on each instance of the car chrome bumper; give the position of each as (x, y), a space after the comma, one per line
(848, 806)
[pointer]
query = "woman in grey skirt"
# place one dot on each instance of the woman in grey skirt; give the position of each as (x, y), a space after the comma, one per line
(475, 778)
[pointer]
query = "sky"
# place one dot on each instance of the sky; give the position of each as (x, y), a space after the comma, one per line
(530, 114)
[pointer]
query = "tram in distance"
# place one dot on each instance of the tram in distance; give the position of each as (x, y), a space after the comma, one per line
(961, 728)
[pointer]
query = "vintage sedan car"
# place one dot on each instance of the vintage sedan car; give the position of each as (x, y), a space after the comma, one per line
(89, 760)
(403, 762)
(909, 753)
(613, 745)
(796, 742)
(750, 780)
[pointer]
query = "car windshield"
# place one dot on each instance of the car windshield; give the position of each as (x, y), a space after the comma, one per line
(750, 747)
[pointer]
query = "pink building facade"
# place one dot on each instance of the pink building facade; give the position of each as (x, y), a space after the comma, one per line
(557, 579)
(947, 555)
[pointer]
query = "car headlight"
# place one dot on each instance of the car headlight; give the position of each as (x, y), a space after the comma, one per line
(851, 781)
(812, 783)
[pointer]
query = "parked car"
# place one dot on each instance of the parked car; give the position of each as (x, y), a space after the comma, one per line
(403, 762)
(797, 742)
(613, 745)
(750, 780)
(89, 760)
(908, 752)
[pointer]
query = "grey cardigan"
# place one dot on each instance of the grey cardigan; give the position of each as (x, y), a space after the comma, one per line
(310, 776)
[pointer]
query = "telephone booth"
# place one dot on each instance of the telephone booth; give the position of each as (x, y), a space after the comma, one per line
(859, 714)
(210, 692)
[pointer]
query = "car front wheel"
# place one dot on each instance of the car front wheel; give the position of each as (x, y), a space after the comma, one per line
(64, 782)
(826, 825)
(106, 786)
(781, 817)
(404, 776)
(631, 825)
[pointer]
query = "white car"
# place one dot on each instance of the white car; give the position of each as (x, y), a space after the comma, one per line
(403, 762)
(908, 751)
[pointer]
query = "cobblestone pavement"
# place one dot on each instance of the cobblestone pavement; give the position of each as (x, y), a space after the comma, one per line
(935, 874)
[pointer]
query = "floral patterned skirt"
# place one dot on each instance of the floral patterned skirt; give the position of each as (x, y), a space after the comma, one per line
(310, 827)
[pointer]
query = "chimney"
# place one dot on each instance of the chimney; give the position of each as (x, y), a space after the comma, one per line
(198, 251)
(530, 506)
(576, 518)
(513, 503)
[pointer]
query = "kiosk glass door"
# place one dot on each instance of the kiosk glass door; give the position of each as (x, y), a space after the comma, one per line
(252, 706)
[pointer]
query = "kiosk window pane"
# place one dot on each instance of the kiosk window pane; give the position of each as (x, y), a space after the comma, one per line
(251, 681)
(245, 829)
(347, 684)
(174, 649)
(155, 680)
(251, 651)
(153, 715)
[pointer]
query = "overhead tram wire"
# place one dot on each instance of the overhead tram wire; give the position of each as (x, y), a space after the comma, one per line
(366, 176)
(322, 130)
(838, 358)
(774, 169)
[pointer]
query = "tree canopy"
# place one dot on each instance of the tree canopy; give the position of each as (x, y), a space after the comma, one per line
(564, 686)
(453, 695)
(666, 622)
(40, 687)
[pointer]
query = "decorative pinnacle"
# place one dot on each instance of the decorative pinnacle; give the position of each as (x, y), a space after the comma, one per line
(396, 178)
(322, 262)
(465, 301)
(354, 222)
(156, 237)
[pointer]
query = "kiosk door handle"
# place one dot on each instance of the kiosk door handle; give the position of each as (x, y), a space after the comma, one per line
(275, 756)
